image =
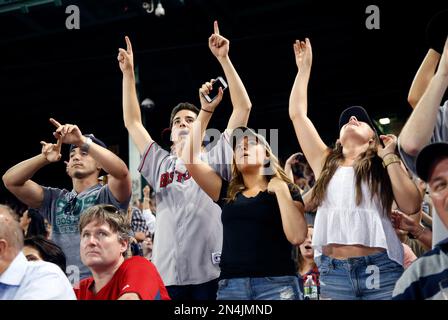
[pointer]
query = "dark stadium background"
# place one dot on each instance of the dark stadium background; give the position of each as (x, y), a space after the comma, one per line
(73, 75)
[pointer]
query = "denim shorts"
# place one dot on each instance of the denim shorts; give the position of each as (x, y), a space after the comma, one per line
(370, 277)
(263, 288)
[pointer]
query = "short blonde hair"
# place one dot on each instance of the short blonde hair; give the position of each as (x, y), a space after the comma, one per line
(106, 213)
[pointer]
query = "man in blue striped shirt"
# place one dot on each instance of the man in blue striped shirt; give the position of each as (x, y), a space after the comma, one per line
(427, 277)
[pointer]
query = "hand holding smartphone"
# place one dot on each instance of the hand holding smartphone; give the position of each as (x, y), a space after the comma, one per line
(218, 82)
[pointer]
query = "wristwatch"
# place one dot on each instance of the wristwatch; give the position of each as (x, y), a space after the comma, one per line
(86, 145)
(390, 159)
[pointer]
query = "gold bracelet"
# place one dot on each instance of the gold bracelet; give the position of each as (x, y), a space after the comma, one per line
(391, 159)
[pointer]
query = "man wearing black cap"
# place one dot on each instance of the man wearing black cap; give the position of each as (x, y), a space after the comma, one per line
(62, 208)
(427, 277)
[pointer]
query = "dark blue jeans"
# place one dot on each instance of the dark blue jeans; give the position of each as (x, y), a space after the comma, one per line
(203, 291)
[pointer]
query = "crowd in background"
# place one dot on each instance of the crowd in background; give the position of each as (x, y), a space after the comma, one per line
(228, 221)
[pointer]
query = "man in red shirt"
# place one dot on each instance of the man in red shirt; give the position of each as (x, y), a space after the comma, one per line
(104, 243)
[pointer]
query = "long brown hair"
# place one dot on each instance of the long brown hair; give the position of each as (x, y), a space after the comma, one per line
(236, 183)
(368, 169)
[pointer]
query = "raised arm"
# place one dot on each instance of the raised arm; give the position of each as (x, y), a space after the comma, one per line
(18, 178)
(292, 160)
(219, 46)
(202, 173)
(131, 108)
(119, 179)
(419, 128)
(406, 194)
(146, 197)
(423, 77)
(292, 212)
(312, 145)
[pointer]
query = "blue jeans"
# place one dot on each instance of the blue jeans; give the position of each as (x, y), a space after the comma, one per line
(360, 278)
(265, 288)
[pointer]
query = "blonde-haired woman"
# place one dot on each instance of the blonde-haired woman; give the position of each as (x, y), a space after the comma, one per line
(356, 248)
(262, 214)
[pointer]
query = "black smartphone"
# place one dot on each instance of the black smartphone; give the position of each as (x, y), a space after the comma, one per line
(219, 82)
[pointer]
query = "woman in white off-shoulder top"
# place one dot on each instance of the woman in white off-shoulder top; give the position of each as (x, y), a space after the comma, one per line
(357, 251)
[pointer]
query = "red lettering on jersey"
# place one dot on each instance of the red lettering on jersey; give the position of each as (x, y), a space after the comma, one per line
(164, 180)
(179, 176)
(167, 178)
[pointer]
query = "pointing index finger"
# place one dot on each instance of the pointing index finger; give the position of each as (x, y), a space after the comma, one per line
(128, 44)
(55, 123)
(215, 25)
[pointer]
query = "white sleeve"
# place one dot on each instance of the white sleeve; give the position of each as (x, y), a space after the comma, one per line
(220, 156)
(151, 162)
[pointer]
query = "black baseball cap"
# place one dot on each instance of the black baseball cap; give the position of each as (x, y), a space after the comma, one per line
(360, 113)
(94, 139)
(428, 157)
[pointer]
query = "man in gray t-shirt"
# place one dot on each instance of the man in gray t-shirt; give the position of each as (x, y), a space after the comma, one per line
(428, 122)
(62, 208)
(188, 234)
(439, 134)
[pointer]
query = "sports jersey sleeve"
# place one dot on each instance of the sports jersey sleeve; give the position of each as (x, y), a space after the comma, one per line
(151, 162)
(142, 278)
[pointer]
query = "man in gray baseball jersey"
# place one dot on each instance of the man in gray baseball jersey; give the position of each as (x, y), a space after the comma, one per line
(63, 208)
(188, 234)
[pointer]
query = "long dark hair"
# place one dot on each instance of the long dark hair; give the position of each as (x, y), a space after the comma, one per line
(37, 224)
(48, 250)
(368, 168)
